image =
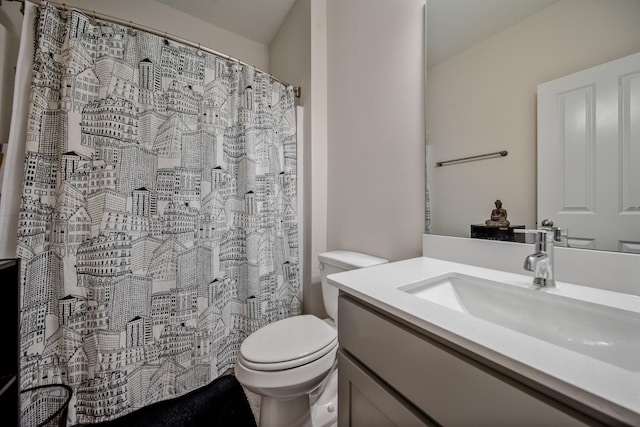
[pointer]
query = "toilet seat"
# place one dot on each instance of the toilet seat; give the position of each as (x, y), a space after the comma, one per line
(288, 343)
(288, 364)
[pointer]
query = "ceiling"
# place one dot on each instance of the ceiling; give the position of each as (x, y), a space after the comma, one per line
(258, 20)
(455, 25)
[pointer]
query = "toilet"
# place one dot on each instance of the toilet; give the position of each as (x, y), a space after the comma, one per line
(291, 363)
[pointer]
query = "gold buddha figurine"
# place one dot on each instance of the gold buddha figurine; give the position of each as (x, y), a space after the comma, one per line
(498, 216)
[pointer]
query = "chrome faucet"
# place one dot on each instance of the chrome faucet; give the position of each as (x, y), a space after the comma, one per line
(541, 262)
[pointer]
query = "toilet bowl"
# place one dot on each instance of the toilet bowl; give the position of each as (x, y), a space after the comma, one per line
(291, 363)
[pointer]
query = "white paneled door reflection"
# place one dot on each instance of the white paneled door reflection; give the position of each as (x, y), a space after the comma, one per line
(589, 155)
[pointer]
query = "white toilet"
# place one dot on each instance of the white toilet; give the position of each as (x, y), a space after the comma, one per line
(293, 359)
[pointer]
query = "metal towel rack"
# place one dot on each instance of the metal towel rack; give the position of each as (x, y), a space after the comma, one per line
(478, 157)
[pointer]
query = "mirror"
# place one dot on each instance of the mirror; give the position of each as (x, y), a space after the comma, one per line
(485, 60)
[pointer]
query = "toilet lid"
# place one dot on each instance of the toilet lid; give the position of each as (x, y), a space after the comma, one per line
(288, 340)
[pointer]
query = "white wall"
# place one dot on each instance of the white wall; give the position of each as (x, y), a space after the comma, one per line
(10, 27)
(319, 143)
(290, 56)
(298, 55)
(484, 100)
(376, 119)
(161, 17)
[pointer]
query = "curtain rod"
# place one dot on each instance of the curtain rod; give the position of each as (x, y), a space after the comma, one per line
(135, 26)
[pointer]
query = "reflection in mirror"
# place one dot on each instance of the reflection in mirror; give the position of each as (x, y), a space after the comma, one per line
(588, 128)
(481, 94)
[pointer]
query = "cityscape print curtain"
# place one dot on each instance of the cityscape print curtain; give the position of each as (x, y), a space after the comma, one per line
(158, 223)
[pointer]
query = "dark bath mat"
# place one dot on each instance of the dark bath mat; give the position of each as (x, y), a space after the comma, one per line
(220, 403)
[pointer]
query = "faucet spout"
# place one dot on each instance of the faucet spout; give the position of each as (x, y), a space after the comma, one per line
(543, 270)
(531, 261)
(541, 262)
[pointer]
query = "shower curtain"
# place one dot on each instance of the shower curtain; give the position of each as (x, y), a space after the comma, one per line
(157, 225)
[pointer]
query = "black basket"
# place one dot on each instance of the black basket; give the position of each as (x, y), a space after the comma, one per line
(46, 405)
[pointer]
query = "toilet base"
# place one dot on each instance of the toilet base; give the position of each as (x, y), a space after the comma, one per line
(276, 412)
(317, 409)
(324, 402)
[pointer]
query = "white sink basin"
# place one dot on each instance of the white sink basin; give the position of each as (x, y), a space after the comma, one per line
(605, 333)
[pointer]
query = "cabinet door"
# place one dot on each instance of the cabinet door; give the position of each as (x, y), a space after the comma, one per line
(365, 402)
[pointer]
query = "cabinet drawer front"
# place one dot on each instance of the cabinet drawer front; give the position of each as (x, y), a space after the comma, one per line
(450, 388)
(365, 402)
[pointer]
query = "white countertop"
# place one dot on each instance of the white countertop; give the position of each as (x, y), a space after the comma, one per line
(606, 388)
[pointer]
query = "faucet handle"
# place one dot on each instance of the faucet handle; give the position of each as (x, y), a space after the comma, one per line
(554, 235)
(560, 235)
(541, 235)
(547, 223)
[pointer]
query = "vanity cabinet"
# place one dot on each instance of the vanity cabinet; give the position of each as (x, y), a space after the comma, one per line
(391, 374)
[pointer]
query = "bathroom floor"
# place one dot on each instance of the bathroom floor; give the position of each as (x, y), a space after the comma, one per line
(254, 402)
(254, 399)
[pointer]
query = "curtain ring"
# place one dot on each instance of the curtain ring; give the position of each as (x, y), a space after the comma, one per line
(199, 52)
(131, 31)
(63, 12)
(165, 41)
(93, 21)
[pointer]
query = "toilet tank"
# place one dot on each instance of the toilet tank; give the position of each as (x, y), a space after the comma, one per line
(335, 262)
